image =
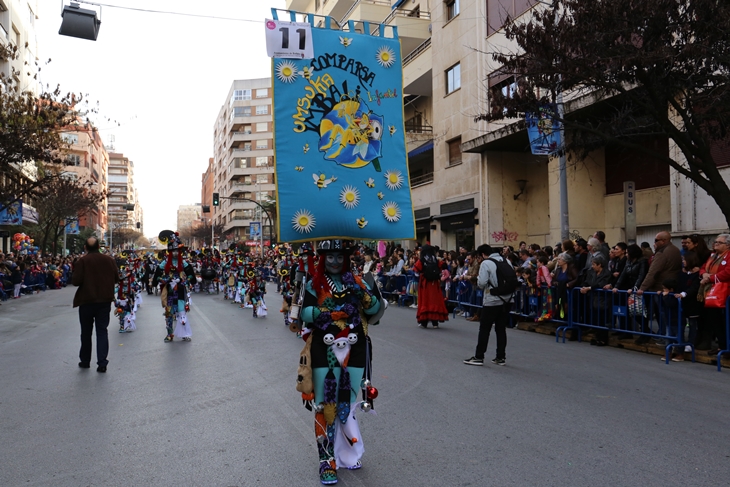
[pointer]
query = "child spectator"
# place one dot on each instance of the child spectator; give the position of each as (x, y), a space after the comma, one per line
(544, 282)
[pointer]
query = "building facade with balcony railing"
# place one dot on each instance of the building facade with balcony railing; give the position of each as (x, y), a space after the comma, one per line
(243, 164)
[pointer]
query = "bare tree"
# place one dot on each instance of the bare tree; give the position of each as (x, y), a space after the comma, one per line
(651, 68)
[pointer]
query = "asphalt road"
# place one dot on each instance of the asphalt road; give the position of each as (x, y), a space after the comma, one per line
(222, 410)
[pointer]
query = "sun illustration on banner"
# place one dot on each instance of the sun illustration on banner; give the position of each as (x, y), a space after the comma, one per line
(303, 221)
(385, 56)
(391, 211)
(286, 72)
(393, 179)
(349, 197)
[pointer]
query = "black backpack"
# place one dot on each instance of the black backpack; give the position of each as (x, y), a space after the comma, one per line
(431, 270)
(506, 279)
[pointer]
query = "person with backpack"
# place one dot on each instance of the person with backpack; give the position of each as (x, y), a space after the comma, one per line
(498, 279)
(431, 305)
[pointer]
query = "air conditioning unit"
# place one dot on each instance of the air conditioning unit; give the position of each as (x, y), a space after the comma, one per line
(429, 28)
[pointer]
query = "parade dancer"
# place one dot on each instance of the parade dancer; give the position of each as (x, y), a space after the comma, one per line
(177, 277)
(335, 362)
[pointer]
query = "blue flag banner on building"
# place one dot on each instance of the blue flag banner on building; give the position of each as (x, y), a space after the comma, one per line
(255, 230)
(341, 164)
(544, 131)
(13, 214)
(72, 227)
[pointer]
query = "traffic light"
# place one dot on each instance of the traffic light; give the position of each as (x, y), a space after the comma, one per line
(216, 200)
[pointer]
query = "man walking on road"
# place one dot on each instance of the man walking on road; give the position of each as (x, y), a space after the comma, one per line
(495, 307)
(95, 274)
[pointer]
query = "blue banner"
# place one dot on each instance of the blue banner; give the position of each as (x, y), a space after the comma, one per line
(544, 131)
(255, 230)
(339, 139)
(72, 227)
(13, 214)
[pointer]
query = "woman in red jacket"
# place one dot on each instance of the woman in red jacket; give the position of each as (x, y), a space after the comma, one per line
(431, 306)
(715, 270)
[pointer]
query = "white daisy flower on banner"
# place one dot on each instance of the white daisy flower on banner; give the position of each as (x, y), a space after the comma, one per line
(303, 221)
(385, 56)
(393, 179)
(391, 211)
(349, 197)
(286, 72)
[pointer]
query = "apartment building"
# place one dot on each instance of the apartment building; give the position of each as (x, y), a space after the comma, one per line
(243, 165)
(87, 159)
(17, 27)
(189, 220)
(124, 208)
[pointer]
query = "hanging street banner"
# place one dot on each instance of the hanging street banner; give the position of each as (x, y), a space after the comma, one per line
(72, 226)
(544, 131)
(255, 230)
(339, 140)
(13, 214)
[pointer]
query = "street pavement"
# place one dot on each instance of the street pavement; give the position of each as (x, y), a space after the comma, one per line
(222, 410)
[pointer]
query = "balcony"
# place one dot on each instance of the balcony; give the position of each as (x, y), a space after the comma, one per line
(414, 27)
(421, 179)
(417, 67)
(248, 171)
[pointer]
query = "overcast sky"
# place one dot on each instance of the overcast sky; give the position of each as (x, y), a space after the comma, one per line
(163, 78)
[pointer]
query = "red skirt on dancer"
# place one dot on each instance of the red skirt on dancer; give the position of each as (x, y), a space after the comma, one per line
(431, 305)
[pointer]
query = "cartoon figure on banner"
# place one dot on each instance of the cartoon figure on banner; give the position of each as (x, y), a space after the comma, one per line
(350, 134)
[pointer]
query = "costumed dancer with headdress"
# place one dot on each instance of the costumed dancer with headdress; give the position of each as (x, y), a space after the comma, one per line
(177, 277)
(336, 361)
(125, 301)
(255, 289)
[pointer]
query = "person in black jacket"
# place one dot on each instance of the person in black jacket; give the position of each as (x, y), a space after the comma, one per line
(634, 271)
(595, 281)
(630, 278)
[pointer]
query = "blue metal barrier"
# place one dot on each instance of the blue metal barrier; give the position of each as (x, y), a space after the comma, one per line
(727, 337)
(610, 311)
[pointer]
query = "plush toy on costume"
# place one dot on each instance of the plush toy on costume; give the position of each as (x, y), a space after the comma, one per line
(336, 361)
(177, 277)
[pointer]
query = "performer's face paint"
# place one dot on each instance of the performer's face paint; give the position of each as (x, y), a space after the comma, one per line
(333, 262)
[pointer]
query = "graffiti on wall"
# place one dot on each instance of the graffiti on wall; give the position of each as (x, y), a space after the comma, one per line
(505, 236)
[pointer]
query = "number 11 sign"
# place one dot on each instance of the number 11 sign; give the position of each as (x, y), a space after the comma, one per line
(289, 39)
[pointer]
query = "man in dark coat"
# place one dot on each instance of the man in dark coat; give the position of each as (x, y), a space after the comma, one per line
(95, 274)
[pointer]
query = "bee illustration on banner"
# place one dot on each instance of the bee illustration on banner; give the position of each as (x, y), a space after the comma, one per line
(321, 180)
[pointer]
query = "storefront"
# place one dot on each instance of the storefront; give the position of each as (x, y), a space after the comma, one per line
(423, 225)
(458, 221)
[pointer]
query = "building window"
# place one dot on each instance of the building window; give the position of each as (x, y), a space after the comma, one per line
(73, 160)
(262, 127)
(452, 9)
(262, 93)
(241, 112)
(241, 95)
(453, 78)
(262, 144)
(70, 139)
(498, 10)
(262, 110)
(454, 151)
(262, 178)
(262, 161)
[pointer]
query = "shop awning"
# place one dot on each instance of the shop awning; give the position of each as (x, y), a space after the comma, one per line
(421, 149)
(470, 211)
